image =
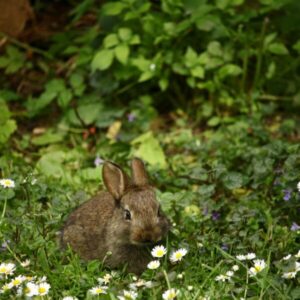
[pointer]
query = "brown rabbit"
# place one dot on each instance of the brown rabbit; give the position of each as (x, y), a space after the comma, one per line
(123, 221)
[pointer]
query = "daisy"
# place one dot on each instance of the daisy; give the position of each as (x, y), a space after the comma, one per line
(235, 268)
(190, 287)
(7, 183)
(6, 287)
(7, 269)
(43, 288)
(154, 264)
(287, 257)
(298, 186)
(229, 273)
(25, 263)
(106, 279)
(289, 275)
(250, 256)
(222, 278)
(128, 295)
(97, 290)
(178, 255)
(170, 294)
(31, 289)
(158, 251)
(297, 266)
(298, 254)
(18, 280)
(259, 265)
(69, 298)
(241, 257)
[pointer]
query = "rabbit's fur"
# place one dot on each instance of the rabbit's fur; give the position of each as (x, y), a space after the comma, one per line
(102, 224)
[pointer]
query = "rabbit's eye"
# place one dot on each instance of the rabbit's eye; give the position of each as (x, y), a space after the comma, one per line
(127, 214)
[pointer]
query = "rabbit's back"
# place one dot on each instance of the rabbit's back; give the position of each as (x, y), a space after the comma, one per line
(85, 229)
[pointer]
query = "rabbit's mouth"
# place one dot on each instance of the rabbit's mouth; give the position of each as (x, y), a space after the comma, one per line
(143, 243)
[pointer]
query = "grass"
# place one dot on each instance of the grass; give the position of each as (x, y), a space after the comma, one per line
(224, 190)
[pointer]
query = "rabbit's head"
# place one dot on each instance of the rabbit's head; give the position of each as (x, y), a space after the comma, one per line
(138, 218)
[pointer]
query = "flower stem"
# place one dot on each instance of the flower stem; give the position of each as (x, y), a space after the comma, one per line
(167, 279)
(4, 209)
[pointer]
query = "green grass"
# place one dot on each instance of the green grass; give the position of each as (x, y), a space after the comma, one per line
(222, 189)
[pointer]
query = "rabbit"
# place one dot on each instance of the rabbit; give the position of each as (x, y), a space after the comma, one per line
(118, 226)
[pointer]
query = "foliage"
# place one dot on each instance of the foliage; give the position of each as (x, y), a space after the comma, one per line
(205, 92)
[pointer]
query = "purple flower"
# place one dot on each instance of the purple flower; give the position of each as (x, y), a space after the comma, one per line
(98, 161)
(215, 215)
(295, 227)
(287, 194)
(4, 245)
(131, 117)
(224, 247)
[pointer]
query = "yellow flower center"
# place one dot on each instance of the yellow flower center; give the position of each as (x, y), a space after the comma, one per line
(258, 268)
(42, 290)
(99, 291)
(3, 270)
(160, 253)
(178, 255)
(16, 281)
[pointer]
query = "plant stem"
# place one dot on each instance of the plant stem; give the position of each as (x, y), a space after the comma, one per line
(4, 209)
(167, 279)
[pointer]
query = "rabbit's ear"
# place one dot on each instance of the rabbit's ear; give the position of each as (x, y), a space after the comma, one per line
(139, 174)
(115, 179)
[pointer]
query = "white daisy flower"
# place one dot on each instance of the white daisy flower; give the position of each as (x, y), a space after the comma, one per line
(154, 264)
(190, 288)
(158, 251)
(31, 289)
(43, 288)
(259, 265)
(7, 183)
(178, 255)
(250, 256)
(297, 266)
(41, 279)
(106, 279)
(180, 276)
(241, 257)
(298, 186)
(97, 290)
(25, 263)
(18, 280)
(229, 273)
(128, 295)
(287, 257)
(69, 298)
(222, 278)
(6, 287)
(7, 269)
(235, 268)
(170, 294)
(289, 275)
(298, 254)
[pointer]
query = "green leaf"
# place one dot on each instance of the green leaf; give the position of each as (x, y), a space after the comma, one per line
(297, 46)
(6, 130)
(125, 34)
(190, 57)
(50, 164)
(4, 112)
(4, 62)
(229, 70)
(163, 83)
(214, 121)
(147, 147)
(113, 8)
(198, 72)
(64, 98)
(47, 138)
(135, 40)
(110, 40)
(233, 180)
(214, 48)
(146, 76)
(122, 52)
(278, 48)
(91, 174)
(102, 60)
